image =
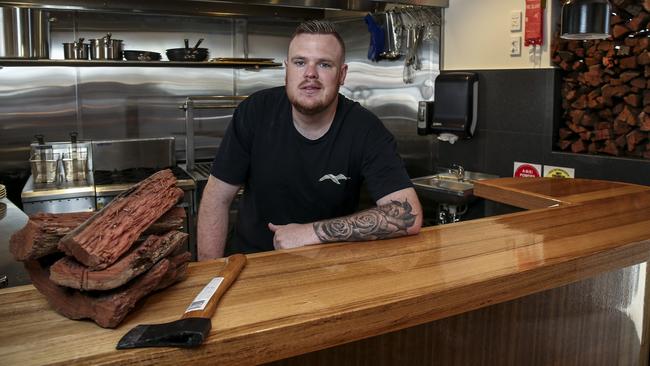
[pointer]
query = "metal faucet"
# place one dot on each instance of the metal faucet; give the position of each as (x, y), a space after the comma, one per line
(459, 171)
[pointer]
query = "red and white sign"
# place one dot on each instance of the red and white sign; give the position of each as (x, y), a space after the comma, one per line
(527, 170)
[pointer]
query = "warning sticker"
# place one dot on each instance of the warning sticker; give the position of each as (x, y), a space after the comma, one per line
(201, 300)
(558, 172)
(527, 170)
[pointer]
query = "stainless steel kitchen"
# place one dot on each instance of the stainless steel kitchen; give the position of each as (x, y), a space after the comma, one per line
(523, 127)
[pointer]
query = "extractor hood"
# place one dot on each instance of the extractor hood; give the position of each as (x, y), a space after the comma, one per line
(290, 8)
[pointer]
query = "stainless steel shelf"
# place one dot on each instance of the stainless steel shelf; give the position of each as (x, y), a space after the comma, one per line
(117, 63)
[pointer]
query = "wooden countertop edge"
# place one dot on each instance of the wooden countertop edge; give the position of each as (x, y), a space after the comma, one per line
(508, 191)
(514, 197)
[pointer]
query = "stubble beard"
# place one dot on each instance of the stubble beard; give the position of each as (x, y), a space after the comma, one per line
(311, 108)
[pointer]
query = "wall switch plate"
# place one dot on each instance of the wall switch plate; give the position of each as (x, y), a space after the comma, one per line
(515, 46)
(515, 21)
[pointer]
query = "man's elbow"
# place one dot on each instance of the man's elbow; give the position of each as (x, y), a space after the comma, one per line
(415, 228)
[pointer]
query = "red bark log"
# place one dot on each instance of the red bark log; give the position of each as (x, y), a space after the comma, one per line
(628, 62)
(621, 128)
(600, 135)
(643, 58)
(629, 116)
(611, 148)
(578, 146)
(644, 121)
(633, 99)
(638, 22)
(103, 238)
(634, 138)
(619, 31)
(40, 236)
(564, 133)
(565, 144)
(629, 75)
(106, 308)
(68, 272)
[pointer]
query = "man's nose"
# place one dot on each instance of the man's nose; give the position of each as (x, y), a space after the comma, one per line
(311, 72)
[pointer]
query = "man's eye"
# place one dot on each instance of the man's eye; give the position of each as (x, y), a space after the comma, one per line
(325, 65)
(299, 63)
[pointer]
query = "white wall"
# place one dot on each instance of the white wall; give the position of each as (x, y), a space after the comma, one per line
(477, 35)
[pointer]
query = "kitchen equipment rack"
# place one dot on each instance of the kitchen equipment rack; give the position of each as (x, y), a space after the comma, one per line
(202, 102)
(118, 63)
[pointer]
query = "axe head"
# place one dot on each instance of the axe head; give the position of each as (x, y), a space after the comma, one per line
(185, 333)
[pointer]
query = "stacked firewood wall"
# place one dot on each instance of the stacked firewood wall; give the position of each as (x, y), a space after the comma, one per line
(606, 86)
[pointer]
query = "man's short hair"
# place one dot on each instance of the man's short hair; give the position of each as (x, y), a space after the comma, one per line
(319, 27)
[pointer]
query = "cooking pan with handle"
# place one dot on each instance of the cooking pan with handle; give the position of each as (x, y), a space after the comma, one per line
(188, 54)
(136, 55)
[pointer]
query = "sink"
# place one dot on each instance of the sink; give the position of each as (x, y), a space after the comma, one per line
(446, 187)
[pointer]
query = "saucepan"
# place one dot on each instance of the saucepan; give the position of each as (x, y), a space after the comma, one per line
(76, 50)
(106, 48)
(188, 54)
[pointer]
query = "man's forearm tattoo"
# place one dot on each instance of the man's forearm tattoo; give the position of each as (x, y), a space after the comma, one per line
(381, 222)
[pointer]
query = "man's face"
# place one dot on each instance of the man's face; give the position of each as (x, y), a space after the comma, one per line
(315, 70)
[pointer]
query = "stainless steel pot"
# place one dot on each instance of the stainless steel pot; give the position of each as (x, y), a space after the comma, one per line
(106, 48)
(76, 50)
(24, 33)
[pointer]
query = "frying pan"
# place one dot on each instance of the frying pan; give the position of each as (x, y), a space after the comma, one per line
(188, 54)
(135, 55)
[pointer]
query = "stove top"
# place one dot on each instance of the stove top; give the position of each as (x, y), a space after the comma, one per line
(132, 175)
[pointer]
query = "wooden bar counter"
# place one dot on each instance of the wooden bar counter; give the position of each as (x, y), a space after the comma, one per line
(563, 282)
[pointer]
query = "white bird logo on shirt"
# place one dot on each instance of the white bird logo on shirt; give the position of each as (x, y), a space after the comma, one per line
(334, 178)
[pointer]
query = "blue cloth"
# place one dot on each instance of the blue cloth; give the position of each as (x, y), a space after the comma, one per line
(377, 38)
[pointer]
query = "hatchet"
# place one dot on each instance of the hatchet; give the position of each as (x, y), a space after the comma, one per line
(195, 324)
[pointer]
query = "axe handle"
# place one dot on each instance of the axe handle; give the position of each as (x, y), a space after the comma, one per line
(234, 265)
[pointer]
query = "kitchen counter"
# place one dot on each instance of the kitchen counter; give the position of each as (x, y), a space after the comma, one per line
(288, 303)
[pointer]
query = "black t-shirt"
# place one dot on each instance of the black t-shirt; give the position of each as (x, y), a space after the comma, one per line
(288, 178)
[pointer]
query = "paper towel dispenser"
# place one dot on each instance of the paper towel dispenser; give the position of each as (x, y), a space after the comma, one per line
(455, 106)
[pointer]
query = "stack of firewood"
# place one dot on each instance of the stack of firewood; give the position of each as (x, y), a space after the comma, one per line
(99, 265)
(606, 86)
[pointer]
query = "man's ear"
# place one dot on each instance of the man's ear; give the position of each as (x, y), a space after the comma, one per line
(344, 73)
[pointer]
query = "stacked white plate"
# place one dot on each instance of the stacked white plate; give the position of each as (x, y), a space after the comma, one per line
(3, 191)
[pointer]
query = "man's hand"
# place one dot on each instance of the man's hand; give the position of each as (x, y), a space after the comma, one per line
(293, 235)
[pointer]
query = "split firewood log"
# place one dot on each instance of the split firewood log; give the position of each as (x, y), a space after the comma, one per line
(108, 234)
(68, 272)
(106, 308)
(41, 235)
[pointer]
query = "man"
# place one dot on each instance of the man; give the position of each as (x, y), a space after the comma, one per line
(302, 152)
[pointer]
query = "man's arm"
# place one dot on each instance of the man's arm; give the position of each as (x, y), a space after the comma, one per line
(397, 214)
(212, 227)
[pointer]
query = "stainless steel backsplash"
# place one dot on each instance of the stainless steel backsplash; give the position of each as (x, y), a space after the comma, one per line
(139, 102)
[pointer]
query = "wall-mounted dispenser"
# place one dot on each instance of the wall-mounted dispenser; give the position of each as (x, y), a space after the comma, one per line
(453, 113)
